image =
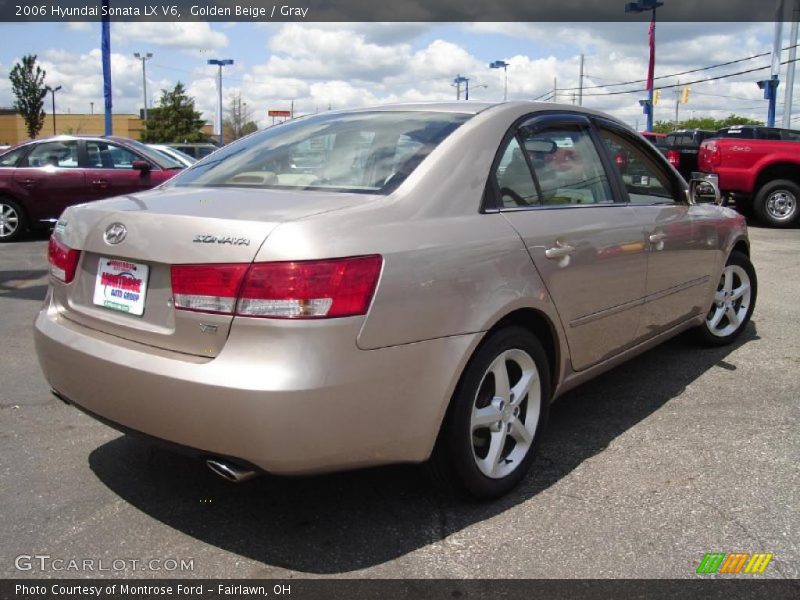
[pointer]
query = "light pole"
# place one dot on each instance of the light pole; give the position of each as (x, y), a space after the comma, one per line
(501, 64)
(220, 63)
(639, 7)
(53, 94)
(91, 106)
(457, 82)
(144, 57)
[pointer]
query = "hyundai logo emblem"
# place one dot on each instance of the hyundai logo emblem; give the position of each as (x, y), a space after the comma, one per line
(115, 233)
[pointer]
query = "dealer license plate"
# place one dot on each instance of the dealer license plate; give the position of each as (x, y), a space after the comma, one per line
(121, 285)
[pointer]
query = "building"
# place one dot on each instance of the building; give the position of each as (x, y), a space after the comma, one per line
(12, 126)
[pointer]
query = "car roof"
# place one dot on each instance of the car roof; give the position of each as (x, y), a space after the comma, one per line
(66, 138)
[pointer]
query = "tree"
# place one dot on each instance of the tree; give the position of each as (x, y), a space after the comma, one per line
(27, 83)
(237, 123)
(705, 123)
(174, 119)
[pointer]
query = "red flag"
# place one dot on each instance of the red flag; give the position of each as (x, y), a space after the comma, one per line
(652, 66)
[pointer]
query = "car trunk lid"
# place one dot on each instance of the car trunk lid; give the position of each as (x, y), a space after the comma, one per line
(176, 226)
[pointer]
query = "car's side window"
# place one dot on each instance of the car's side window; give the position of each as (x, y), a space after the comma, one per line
(645, 181)
(567, 166)
(514, 179)
(10, 159)
(102, 155)
(62, 154)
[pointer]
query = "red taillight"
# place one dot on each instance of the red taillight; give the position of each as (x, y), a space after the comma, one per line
(710, 156)
(63, 260)
(281, 290)
(621, 159)
(207, 288)
(674, 158)
(310, 289)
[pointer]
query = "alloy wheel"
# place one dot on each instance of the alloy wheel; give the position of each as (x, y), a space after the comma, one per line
(505, 413)
(9, 220)
(731, 302)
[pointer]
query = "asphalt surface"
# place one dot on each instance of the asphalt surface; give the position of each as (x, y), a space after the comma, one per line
(680, 452)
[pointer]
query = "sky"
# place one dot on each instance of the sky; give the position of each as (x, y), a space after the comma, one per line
(342, 65)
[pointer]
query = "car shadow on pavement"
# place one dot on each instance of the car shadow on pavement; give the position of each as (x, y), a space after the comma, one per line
(343, 522)
(23, 285)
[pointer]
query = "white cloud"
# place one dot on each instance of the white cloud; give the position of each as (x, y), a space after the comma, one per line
(187, 36)
(358, 64)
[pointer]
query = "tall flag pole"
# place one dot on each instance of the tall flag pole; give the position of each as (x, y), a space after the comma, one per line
(105, 45)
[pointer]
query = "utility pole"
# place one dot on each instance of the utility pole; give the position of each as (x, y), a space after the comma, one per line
(91, 107)
(580, 83)
(144, 57)
(53, 93)
(457, 82)
(677, 93)
(220, 63)
(787, 100)
(555, 89)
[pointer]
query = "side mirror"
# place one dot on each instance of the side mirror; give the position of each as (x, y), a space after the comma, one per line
(141, 165)
(702, 191)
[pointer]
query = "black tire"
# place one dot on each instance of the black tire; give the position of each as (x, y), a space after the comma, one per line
(455, 459)
(777, 203)
(13, 221)
(709, 335)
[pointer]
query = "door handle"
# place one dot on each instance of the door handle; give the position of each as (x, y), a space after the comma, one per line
(29, 182)
(657, 237)
(102, 183)
(559, 251)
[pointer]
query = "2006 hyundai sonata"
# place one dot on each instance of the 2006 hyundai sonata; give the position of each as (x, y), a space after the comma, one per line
(386, 285)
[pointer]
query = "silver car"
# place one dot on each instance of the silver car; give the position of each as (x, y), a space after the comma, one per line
(423, 289)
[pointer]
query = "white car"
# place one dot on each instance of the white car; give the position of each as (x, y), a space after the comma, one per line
(181, 157)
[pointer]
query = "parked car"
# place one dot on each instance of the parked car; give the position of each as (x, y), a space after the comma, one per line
(429, 299)
(761, 175)
(181, 157)
(195, 150)
(39, 179)
(683, 147)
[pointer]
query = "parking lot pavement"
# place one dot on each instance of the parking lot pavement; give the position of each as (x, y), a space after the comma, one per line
(680, 452)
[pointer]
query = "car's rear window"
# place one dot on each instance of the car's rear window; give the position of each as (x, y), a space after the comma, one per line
(370, 152)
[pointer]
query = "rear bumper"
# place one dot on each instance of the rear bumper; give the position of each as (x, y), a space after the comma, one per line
(287, 397)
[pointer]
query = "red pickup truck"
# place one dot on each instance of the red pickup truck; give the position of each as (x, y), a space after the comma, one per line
(761, 174)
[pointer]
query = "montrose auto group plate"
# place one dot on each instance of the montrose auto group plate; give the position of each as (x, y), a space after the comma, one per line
(121, 285)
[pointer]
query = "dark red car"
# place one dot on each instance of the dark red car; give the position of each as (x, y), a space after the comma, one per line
(39, 179)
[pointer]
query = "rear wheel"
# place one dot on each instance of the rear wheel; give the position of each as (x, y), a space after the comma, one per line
(777, 203)
(496, 416)
(733, 303)
(12, 220)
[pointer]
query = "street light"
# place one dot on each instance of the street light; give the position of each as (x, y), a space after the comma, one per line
(144, 57)
(53, 93)
(501, 64)
(459, 79)
(220, 63)
(640, 7)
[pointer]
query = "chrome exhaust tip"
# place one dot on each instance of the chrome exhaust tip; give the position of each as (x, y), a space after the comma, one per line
(229, 471)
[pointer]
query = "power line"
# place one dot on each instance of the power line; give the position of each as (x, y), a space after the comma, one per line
(724, 64)
(666, 87)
